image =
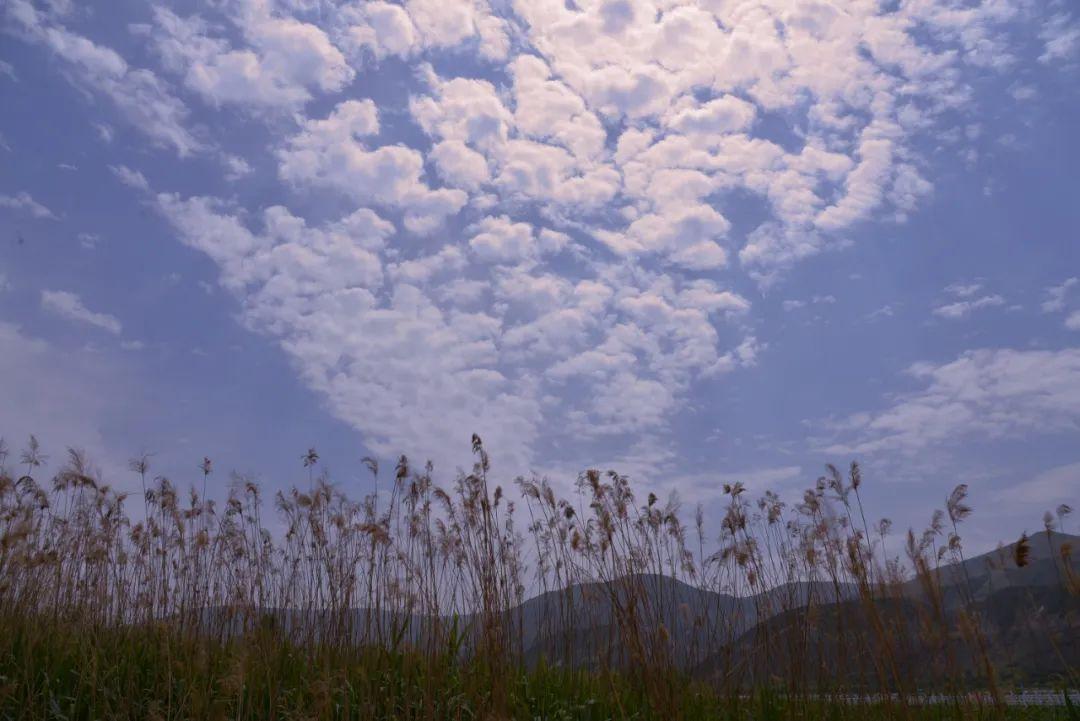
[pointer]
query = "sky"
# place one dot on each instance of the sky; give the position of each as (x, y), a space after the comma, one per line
(696, 242)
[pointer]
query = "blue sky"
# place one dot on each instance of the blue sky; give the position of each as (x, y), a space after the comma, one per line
(695, 241)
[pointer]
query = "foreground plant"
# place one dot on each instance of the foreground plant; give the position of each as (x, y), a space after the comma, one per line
(413, 604)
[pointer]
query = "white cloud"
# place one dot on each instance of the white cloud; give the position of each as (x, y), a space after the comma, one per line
(443, 24)
(1057, 295)
(395, 366)
(1061, 38)
(964, 290)
(105, 132)
(236, 168)
(996, 394)
(471, 113)
(501, 240)
(858, 86)
(144, 100)
(419, 271)
(415, 26)
(964, 308)
(386, 29)
(1072, 322)
(70, 307)
(329, 153)
(546, 109)
(459, 165)
(594, 179)
(23, 201)
(726, 114)
(685, 231)
(462, 109)
(400, 350)
(130, 177)
(284, 62)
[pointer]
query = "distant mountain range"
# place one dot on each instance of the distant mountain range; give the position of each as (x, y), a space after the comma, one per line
(1024, 611)
(1029, 621)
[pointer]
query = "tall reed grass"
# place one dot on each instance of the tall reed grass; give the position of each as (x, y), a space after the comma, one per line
(476, 600)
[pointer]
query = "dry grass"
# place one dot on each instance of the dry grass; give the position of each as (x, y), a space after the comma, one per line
(412, 604)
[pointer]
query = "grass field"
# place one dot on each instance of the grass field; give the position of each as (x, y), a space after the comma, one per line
(412, 604)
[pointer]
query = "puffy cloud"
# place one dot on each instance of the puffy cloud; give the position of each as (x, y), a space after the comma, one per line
(501, 240)
(288, 262)
(418, 271)
(70, 307)
(705, 294)
(463, 109)
(329, 153)
(284, 62)
(632, 125)
(559, 172)
(444, 24)
(705, 255)
(459, 165)
(547, 109)
(686, 86)
(686, 231)
(417, 26)
(772, 246)
(402, 348)
(864, 186)
(726, 114)
(689, 82)
(392, 364)
(540, 172)
(385, 28)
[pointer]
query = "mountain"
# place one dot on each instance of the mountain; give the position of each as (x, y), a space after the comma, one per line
(1029, 616)
(997, 570)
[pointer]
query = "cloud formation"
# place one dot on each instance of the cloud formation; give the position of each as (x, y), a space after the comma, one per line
(530, 219)
(283, 62)
(408, 350)
(70, 307)
(990, 393)
(23, 201)
(137, 93)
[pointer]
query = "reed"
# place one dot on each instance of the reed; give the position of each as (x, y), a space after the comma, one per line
(475, 600)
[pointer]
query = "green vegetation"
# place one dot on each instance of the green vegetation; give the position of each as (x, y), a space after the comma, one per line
(434, 603)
